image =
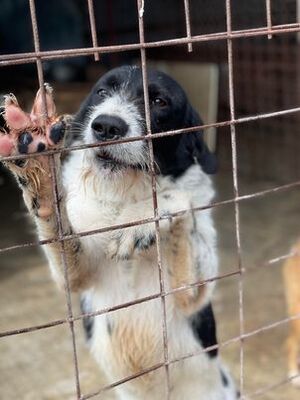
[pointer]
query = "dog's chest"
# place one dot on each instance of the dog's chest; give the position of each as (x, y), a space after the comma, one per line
(92, 203)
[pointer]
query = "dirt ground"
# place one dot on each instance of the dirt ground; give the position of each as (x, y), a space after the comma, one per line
(39, 365)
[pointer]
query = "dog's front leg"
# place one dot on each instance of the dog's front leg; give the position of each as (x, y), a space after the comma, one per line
(178, 242)
(183, 268)
(31, 133)
(128, 242)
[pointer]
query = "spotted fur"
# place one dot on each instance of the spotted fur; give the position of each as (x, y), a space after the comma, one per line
(111, 185)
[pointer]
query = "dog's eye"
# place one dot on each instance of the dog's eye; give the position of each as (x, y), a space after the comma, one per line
(158, 101)
(102, 92)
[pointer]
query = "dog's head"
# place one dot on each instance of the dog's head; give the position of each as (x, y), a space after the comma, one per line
(115, 110)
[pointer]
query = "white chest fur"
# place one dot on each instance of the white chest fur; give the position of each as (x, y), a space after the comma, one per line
(130, 339)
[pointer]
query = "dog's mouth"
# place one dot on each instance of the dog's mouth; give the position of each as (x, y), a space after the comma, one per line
(104, 155)
(109, 161)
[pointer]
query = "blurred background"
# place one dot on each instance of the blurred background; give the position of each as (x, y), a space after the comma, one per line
(39, 365)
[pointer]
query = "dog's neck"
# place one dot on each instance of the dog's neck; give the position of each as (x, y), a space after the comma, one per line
(119, 183)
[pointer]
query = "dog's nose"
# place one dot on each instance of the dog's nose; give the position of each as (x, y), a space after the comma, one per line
(109, 127)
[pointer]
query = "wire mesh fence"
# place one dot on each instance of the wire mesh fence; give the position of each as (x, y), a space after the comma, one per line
(229, 35)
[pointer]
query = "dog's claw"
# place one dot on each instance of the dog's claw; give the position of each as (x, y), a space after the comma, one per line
(10, 99)
(48, 88)
(25, 133)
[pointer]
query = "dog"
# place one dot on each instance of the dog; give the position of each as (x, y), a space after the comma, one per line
(111, 185)
(291, 277)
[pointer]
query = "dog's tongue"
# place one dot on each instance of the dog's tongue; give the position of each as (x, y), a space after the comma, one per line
(6, 146)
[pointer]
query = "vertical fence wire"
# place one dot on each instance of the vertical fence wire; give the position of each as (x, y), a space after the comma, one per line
(188, 24)
(93, 27)
(269, 18)
(56, 197)
(140, 5)
(235, 187)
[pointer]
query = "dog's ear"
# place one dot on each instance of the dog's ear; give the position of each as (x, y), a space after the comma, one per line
(196, 145)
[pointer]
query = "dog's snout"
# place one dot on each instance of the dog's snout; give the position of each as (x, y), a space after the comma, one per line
(109, 127)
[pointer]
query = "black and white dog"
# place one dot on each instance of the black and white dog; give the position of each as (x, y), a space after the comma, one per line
(111, 185)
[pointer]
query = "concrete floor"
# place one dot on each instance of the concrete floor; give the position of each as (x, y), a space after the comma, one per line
(38, 365)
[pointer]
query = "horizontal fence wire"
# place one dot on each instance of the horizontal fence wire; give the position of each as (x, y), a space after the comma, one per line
(230, 35)
(30, 57)
(158, 135)
(152, 219)
(107, 310)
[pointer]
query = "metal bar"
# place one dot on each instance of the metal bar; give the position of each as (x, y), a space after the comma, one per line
(55, 193)
(153, 219)
(93, 27)
(269, 18)
(124, 380)
(140, 7)
(144, 299)
(30, 57)
(207, 349)
(235, 189)
(192, 129)
(188, 24)
(115, 308)
(66, 278)
(269, 388)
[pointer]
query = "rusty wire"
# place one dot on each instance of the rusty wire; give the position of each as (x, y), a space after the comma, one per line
(269, 18)
(56, 199)
(140, 7)
(153, 219)
(235, 189)
(153, 136)
(30, 57)
(188, 23)
(93, 27)
(37, 57)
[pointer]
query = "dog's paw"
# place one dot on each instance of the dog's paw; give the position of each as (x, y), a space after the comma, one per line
(25, 133)
(129, 241)
(136, 240)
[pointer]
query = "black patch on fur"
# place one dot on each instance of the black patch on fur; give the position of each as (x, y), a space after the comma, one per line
(204, 328)
(35, 204)
(109, 326)
(41, 147)
(22, 181)
(77, 247)
(88, 322)
(3, 125)
(224, 378)
(144, 243)
(194, 229)
(57, 132)
(20, 163)
(24, 141)
(166, 196)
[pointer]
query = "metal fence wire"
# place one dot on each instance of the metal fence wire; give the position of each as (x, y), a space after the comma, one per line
(270, 30)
